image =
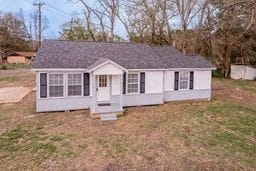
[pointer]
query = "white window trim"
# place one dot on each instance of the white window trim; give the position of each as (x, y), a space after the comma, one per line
(82, 85)
(48, 85)
(138, 73)
(180, 80)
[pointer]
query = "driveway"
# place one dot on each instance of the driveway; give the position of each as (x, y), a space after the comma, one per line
(13, 94)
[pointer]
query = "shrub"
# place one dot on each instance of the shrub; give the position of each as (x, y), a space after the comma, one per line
(4, 67)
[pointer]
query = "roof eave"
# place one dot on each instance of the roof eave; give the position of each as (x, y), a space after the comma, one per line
(58, 69)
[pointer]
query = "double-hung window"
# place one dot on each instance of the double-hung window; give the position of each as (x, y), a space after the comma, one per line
(56, 85)
(184, 81)
(133, 83)
(74, 84)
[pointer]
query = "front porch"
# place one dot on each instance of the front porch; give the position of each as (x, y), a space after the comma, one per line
(107, 96)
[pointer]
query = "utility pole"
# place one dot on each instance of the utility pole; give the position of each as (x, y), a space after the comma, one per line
(39, 4)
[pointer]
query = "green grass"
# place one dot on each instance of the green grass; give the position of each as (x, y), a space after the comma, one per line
(222, 128)
(18, 141)
(16, 66)
(247, 85)
(56, 138)
(241, 84)
(10, 79)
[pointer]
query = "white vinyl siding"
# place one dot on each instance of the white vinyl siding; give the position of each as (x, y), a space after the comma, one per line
(202, 80)
(133, 83)
(183, 80)
(74, 84)
(154, 82)
(56, 85)
(115, 84)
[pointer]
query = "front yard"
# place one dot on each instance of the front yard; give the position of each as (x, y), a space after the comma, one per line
(215, 135)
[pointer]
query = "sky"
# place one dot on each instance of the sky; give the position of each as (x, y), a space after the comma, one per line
(57, 12)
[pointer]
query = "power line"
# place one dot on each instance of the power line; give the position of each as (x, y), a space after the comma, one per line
(53, 9)
(39, 4)
(57, 9)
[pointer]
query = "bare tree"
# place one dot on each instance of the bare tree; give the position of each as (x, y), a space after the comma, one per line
(186, 10)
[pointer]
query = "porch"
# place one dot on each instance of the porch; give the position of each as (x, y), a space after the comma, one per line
(107, 96)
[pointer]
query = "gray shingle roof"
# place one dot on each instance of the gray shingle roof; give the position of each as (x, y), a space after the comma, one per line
(84, 54)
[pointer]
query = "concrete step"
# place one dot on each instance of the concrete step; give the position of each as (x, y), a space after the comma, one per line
(108, 117)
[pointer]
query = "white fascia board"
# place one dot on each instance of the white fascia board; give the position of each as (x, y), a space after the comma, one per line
(58, 69)
(174, 69)
(191, 69)
(147, 69)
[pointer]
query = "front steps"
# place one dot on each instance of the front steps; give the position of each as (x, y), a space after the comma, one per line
(98, 115)
(108, 117)
(106, 112)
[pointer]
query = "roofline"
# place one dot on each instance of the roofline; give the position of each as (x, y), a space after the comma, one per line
(86, 70)
(58, 69)
(173, 69)
(197, 69)
(110, 42)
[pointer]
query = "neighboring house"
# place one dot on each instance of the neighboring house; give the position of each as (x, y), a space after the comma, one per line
(105, 77)
(243, 72)
(21, 57)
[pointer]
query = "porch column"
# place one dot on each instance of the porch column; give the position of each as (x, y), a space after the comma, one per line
(94, 92)
(121, 91)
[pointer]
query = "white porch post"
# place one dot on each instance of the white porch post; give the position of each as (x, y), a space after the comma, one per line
(94, 92)
(121, 92)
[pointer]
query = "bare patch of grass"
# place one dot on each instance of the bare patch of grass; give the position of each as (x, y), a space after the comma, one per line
(10, 79)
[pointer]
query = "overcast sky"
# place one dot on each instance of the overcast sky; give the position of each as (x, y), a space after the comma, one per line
(56, 11)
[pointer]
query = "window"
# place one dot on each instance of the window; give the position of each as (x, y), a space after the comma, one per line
(184, 80)
(103, 81)
(133, 83)
(74, 85)
(56, 86)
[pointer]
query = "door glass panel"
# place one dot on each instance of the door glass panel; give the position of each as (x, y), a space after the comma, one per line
(103, 81)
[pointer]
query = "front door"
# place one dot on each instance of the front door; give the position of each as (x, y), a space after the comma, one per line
(103, 88)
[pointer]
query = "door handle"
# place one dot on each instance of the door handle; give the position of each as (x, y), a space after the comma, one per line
(97, 89)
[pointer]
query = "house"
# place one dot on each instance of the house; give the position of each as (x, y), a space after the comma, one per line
(243, 72)
(106, 77)
(21, 57)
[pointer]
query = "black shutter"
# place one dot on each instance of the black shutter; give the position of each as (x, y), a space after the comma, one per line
(86, 84)
(191, 80)
(43, 85)
(176, 81)
(124, 83)
(142, 82)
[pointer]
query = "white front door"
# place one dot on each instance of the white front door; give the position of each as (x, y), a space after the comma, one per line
(103, 88)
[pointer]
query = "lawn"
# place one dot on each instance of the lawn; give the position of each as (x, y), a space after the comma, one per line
(215, 135)
(16, 66)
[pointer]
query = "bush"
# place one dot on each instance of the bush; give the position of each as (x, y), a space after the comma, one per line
(4, 67)
(216, 73)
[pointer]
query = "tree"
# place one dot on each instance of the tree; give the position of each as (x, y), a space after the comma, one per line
(13, 35)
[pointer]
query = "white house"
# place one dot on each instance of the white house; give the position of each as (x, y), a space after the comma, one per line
(106, 77)
(243, 72)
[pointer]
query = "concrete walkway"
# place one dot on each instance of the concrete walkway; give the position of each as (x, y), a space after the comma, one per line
(13, 94)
